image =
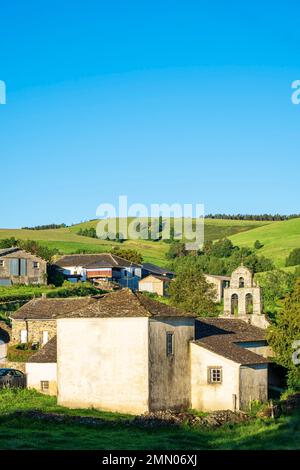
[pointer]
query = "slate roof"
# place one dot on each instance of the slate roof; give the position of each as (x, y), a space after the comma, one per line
(47, 309)
(15, 249)
(223, 336)
(6, 251)
(125, 303)
(96, 260)
(161, 278)
(46, 354)
(152, 268)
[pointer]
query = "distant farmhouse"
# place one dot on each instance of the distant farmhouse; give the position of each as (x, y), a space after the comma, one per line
(149, 268)
(103, 268)
(155, 280)
(125, 352)
(19, 267)
(155, 284)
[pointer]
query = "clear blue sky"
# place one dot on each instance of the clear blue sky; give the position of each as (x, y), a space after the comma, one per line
(165, 101)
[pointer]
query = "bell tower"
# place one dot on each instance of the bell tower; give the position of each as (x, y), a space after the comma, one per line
(242, 299)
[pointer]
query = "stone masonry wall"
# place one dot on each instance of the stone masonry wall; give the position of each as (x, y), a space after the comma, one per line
(34, 328)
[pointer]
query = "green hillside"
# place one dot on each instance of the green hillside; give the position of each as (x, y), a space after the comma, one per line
(66, 240)
(278, 238)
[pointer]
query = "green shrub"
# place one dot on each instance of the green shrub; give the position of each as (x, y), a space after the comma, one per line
(20, 352)
(294, 258)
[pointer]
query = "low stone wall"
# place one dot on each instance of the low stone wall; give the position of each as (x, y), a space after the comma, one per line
(14, 365)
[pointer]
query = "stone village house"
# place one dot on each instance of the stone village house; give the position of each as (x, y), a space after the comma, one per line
(35, 322)
(19, 267)
(126, 352)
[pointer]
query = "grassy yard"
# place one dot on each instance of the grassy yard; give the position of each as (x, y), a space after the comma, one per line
(67, 241)
(26, 433)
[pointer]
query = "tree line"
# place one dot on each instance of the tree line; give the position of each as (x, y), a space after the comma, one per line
(259, 217)
(45, 227)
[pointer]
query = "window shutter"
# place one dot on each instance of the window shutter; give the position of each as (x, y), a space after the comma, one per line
(14, 267)
(23, 267)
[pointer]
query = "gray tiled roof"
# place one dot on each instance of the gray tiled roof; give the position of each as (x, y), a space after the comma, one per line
(46, 354)
(6, 251)
(125, 303)
(47, 309)
(153, 268)
(223, 335)
(96, 260)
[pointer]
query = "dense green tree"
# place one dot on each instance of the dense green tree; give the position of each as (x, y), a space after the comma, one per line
(54, 275)
(207, 247)
(87, 232)
(190, 291)
(9, 242)
(258, 245)
(275, 285)
(284, 332)
(297, 272)
(222, 248)
(35, 248)
(31, 246)
(126, 253)
(294, 258)
(177, 249)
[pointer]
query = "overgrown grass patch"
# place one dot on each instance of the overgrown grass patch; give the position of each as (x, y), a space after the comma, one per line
(21, 432)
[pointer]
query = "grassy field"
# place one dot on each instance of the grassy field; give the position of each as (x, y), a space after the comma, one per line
(278, 238)
(66, 240)
(21, 292)
(28, 433)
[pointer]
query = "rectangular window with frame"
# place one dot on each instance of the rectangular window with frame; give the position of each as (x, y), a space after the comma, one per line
(44, 385)
(1, 263)
(214, 375)
(170, 344)
(36, 265)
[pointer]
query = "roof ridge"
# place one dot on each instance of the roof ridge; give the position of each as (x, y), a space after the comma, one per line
(112, 257)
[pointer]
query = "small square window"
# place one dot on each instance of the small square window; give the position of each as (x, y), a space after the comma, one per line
(1, 263)
(44, 385)
(36, 265)
(214, 375)
(170, 344)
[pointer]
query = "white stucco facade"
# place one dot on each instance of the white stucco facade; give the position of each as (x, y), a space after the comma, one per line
(36, 373)
(103, 363)
(240, 384)
(209, 397)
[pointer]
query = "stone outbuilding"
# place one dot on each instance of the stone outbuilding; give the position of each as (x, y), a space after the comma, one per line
(20, 267)
(155, 284)
(35, 322)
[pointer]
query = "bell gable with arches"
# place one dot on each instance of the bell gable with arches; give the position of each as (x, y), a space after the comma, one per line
(242, 299)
